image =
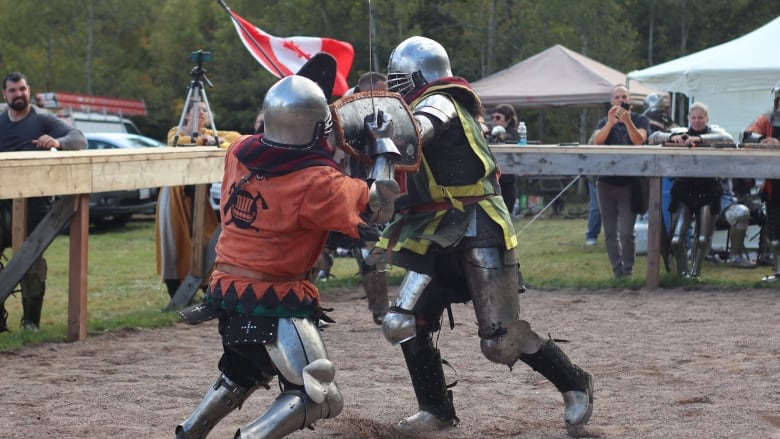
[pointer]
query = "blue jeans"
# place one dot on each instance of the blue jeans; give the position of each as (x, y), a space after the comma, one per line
(594, 216)
(666, 200)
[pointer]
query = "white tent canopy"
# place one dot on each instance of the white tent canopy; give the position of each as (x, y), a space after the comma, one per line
(733, 79)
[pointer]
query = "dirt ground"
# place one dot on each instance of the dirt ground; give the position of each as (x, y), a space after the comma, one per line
(680, 364)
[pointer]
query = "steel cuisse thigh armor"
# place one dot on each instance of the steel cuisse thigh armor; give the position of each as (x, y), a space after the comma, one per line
(491, 274)
(300, 357)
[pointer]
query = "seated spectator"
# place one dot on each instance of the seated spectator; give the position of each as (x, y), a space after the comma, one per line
(505, 131)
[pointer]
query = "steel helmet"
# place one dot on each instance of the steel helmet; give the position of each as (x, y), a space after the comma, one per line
(296, 114)
(416, 62)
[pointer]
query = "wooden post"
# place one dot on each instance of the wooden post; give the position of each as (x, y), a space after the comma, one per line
(199, 202)
(77, 276)
(654, 224)
(18, 223)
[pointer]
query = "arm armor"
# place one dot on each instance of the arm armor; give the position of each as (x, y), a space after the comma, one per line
(751, 137)
(433, 113)
(716, 135)
(383, 190)
(661, 137)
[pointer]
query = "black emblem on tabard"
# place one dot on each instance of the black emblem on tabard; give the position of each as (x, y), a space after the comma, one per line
(243, 207)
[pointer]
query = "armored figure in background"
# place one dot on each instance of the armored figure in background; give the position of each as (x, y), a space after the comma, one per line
(766, 129)
(693, 198)
(736, 211)
(281, 194)
(454, 236)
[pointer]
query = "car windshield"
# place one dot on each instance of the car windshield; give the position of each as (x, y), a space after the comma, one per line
(122, 141)
(142, 142)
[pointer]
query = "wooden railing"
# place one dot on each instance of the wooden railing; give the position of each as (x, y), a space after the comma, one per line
(74, 175)
(652, 161)
(80, 173)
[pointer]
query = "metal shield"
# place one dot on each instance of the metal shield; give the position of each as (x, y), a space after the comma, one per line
(349, 114)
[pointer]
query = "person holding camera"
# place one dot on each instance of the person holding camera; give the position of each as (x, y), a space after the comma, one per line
(619, 197)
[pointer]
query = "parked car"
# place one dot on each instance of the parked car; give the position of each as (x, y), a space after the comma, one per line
(117, 207)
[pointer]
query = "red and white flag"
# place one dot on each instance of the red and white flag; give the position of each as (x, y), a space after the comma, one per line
(285, 56)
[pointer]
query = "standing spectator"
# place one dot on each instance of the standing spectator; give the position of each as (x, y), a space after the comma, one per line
(371, 81)
(174, 215)
(504, 116)
(617, 194)
(658, 113)
(766, 130)
(25, 128)
(694, 198)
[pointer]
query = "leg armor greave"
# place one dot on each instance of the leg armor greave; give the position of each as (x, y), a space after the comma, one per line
(738, 217)
(681, 223)
(435, 402)
(291, 411)
(575, 384)
(223, 397)
(399, 324)
(703, 240)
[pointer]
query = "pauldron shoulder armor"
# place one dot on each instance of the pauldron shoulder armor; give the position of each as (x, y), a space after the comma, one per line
(437, 108)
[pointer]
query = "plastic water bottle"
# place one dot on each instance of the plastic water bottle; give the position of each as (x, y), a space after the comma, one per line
(522, 132)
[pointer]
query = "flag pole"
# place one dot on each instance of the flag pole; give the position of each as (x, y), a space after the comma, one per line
(251, 38)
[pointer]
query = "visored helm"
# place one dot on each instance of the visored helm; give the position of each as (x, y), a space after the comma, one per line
(776, 94)
(416, 62)
(296, 114)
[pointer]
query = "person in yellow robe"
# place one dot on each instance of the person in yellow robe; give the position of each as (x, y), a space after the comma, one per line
(173, 218)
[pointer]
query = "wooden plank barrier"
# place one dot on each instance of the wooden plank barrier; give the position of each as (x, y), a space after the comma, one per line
(45, 173)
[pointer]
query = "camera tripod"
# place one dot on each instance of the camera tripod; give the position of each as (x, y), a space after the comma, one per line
(195, 94)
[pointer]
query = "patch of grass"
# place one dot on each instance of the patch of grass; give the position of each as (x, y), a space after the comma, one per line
(125, 291)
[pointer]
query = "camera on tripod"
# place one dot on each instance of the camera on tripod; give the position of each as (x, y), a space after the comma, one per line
(200, 57)
(196, 94)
